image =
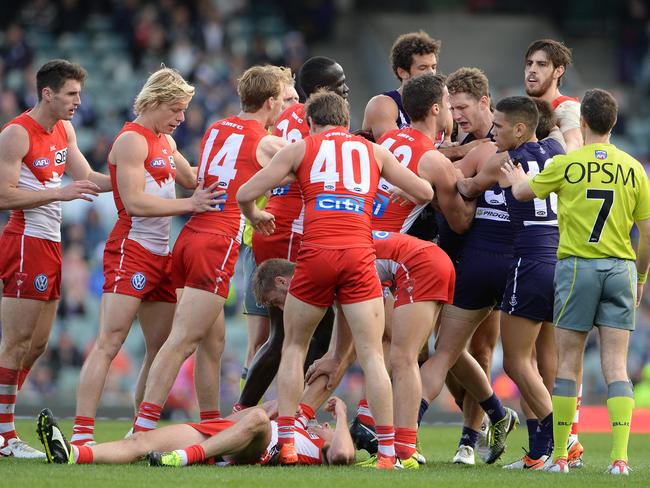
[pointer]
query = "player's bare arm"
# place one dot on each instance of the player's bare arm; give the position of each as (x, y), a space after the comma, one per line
(488, 176)
(454, 153)
(643, 255)
(556, 134)
(14, 145)
(268, 147)
(77, 165)
(128, 154)
(398, 175)
(341, 448)
(281, 166)
(518, 180)
(437, 169)
(185, 173)
(573, 138)
(380, 116)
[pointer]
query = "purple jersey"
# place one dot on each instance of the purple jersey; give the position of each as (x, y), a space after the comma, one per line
(536, 234)
(403, 120)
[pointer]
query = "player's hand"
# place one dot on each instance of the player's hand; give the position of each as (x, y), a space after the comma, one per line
(336, 407)
(81, 190)
(639, 293)
(514, 173)
(207, 199)
(397, 195)
(263, 222)
(325, 366)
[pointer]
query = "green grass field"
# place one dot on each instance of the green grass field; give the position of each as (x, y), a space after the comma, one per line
(438, 443)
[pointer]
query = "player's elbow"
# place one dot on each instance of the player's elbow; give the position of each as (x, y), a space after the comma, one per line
(460, 225)
(424, 193)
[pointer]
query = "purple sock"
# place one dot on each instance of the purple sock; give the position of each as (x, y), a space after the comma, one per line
(531, 425)
(424, 405)
(493, 407)
(468, 437)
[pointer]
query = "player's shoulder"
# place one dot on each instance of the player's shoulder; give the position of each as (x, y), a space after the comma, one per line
(381, 103)
(14, 141)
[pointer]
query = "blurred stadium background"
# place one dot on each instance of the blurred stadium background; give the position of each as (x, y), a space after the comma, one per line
(211, 42)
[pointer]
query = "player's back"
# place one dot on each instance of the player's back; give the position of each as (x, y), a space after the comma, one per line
(285, 202)
(403, 119)
(534, 223)
(41, 168)
(408, 145)
(228, 157)
(603, 191)
(338, 177)
(160, 177)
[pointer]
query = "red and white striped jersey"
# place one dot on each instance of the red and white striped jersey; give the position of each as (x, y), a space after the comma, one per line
(41, 168)
(408, 145)
(286, 201)
(229, 157)
(152, 233)
(567, 111)
(309, 446)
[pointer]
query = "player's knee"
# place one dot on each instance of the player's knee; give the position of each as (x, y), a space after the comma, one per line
(399, 359)
(341, 459)
(512, 367)
(257, 420)
(483, 356)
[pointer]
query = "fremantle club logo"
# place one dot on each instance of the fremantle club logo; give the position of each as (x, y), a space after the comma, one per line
(40, 283)
(138, 281)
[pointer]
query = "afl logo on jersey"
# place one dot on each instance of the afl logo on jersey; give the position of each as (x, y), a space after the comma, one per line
(41, 163)
(158, 163)
(60, 157)
(600, 154)
(138, 281)
(40, 283)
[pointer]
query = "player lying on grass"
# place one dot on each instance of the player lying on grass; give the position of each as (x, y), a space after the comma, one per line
(245, 437)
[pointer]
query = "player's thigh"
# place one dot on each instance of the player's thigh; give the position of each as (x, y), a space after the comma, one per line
(457, 326)
(156, 321)
(413, 324)
(617, 305)
(19, 319)
(116, 315)
(300, 321)
(195, 314)
(169, 438)
(366, 321)
(518, 336)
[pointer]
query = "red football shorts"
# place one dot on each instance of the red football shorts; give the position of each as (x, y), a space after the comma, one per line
(348, 275)
(212, 427)
(130, 269)
(427, 275)
(30, 267)
(282, 244)
(204, 261)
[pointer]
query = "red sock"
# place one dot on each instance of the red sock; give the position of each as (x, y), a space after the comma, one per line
(22, 376)
(364, 414)
(386, 438)
(210, 415)
(83, 430)
(84, 455)
(305, 415)
(285, 430)
(148, 417)
(8, 390)
(405, 440)
(195, 454)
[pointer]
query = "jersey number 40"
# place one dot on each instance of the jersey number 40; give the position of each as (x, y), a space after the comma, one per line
(323, 170)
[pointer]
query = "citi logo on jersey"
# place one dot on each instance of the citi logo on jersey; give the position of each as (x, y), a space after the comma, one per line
(379, 205)
(41, 163)
(340, 203)
(158, 163)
